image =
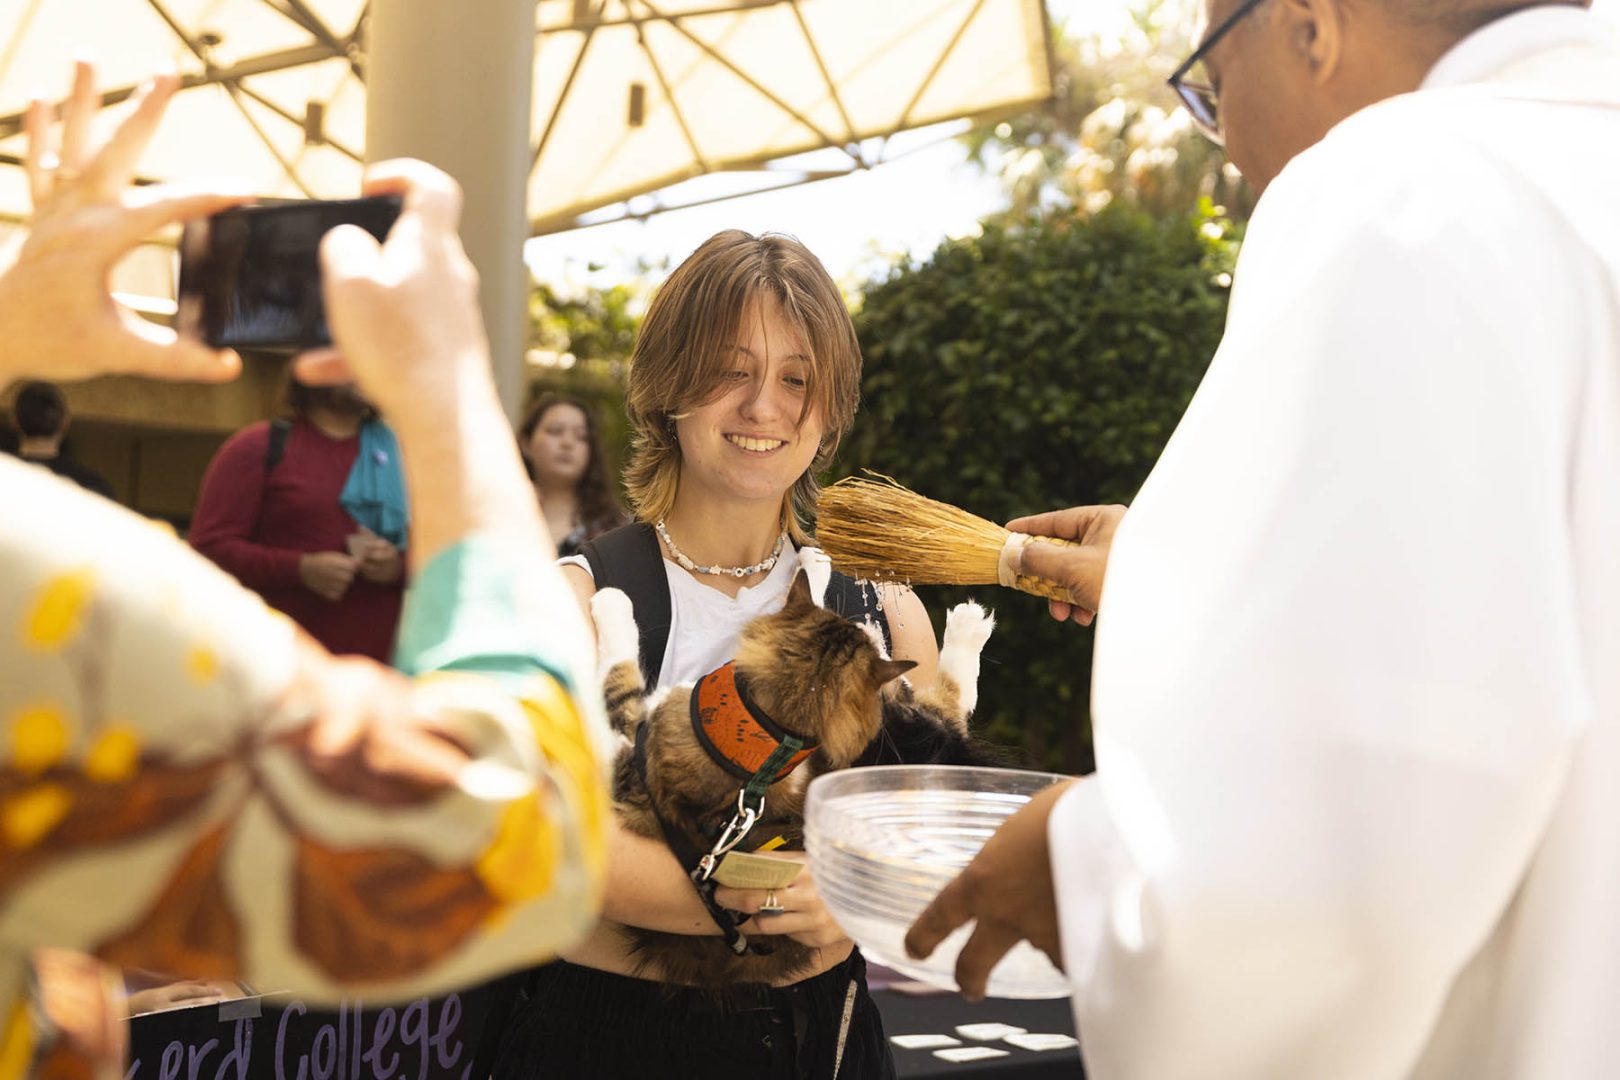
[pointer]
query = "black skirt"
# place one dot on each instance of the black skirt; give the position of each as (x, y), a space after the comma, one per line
(577, 1023)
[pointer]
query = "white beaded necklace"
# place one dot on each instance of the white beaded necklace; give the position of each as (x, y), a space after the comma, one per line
(687, 564)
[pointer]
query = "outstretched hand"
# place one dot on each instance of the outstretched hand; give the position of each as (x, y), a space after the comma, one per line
(1080, 570)
(58, 318)
(1007, 889)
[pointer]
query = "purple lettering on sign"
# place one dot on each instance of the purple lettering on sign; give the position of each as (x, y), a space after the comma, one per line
(241, 1052)
(413, 1028)
(281, 1040)
(195, 1056)
(379, 1042)
(449, 1025)
(174, 1055)
(323, 1062)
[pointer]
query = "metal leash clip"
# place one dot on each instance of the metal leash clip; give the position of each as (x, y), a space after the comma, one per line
(737, 828)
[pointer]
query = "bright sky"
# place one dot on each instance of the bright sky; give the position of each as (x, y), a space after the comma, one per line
(856, 224)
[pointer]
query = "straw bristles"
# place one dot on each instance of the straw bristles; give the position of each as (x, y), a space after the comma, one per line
(878, 530)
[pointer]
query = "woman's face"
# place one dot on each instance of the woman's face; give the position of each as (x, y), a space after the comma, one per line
(560, 446)
(747, 442)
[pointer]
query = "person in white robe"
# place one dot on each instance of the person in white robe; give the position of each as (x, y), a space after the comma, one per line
(1357, 678)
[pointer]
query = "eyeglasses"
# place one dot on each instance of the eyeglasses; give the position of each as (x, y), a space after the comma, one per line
(1192, 84)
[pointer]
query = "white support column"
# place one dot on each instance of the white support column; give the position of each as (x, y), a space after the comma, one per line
(452, 83)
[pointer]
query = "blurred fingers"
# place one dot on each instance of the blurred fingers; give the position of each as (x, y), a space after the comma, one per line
(431, 194)
(322, 367)
(985, 947)
(949, 910)
(37, 157)
(114, 166)
(152, 208)
(159, 353)
(349, 254)
(78, 114)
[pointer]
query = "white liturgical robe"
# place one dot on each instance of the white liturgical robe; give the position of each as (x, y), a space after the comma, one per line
(1357, 690)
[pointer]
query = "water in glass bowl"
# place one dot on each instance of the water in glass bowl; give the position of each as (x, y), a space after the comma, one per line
(883, 841)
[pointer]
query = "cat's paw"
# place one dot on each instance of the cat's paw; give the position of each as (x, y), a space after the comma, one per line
(817, 567)
(969, 626)
(617, 639)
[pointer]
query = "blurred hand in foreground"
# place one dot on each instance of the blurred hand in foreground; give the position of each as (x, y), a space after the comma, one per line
(406, 327)
(1007, 888)
(58, 318)
(404, 313)
(1078, 569)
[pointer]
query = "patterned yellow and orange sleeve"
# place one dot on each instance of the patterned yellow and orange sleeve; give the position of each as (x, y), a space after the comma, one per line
(189, 784)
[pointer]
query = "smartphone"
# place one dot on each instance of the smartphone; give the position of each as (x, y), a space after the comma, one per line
(250, 276)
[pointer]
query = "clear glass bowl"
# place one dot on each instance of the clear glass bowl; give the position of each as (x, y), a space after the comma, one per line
(884, 840)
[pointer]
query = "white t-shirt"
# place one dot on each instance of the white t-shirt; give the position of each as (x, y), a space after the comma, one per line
(704, 622)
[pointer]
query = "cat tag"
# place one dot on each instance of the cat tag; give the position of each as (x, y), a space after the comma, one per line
(969, 1053)
(743, 870)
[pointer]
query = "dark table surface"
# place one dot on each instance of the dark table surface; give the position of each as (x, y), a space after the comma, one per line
(905, 1014)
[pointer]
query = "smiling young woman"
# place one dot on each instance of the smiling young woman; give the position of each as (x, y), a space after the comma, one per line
(745, 376)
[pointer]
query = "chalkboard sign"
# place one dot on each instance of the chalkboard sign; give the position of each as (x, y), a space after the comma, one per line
(278, 1037)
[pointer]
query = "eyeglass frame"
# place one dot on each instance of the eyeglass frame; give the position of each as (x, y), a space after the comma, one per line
(1209, 125)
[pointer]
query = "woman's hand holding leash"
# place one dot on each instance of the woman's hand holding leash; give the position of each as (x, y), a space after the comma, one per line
(801, 916)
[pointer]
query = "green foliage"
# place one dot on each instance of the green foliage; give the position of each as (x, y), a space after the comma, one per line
(583, 344)
(1113, 131)
(596, 325)
(1034, 368)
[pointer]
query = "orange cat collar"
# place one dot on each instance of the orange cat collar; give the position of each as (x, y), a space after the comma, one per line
(739, 735)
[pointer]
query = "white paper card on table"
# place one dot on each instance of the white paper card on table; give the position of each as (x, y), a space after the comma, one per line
(1037, 1041)
(923, 1042)
(988, 1032)
(970, 1053)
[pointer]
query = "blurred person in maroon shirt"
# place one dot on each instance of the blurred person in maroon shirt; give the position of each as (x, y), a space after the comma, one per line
(270, 513)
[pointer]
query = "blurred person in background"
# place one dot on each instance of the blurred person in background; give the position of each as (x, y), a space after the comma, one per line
(189, 784)
(561, 443)
(310, 514)
(42, 418)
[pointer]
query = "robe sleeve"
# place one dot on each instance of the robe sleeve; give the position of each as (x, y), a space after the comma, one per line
(1338, 674)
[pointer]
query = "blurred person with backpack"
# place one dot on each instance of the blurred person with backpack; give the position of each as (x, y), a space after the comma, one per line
(309, 512)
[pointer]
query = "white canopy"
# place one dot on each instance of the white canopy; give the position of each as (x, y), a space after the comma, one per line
(630, 95)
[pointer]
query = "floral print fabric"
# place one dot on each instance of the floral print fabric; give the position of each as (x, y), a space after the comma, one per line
(189, 784)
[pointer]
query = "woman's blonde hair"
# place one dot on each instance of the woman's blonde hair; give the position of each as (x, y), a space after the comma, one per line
(687, 343)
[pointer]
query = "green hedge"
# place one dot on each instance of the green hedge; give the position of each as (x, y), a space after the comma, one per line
(1029, 369)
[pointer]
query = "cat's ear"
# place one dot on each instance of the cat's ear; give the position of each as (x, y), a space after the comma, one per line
(887, 670)
(799, 598)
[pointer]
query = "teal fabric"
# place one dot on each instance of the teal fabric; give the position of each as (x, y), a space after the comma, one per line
(461, 614)
(374, 494)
